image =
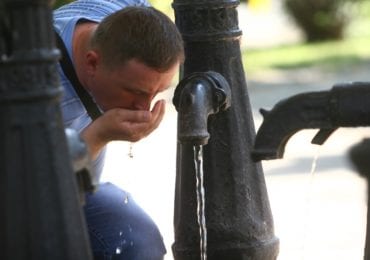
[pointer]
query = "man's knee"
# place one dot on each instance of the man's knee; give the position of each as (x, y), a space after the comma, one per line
(120, 228)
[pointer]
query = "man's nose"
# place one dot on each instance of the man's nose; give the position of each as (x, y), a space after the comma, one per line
(142, 103)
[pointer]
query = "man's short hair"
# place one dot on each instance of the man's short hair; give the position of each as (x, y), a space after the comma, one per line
(141, 33)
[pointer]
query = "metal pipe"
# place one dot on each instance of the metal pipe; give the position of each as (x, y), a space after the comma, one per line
(345, 105)
(196, 97)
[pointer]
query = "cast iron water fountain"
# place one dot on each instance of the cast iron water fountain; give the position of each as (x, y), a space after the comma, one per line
(197, 97)
(345, 105)
(41, 216)
(238, 216)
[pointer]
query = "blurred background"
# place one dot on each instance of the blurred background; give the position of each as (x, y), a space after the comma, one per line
(288, 47)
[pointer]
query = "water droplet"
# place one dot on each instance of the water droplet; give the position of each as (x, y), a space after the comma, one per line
(118, 250)
(120, 233)
(125, 200)
(130, 152)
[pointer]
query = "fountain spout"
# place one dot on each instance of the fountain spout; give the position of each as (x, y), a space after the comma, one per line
(196, 97)
(345, 105)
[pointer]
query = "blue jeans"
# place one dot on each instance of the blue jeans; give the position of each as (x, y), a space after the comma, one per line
(119, 228)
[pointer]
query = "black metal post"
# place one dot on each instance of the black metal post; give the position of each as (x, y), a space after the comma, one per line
(238, 214)
(359, 156)
(40, 212)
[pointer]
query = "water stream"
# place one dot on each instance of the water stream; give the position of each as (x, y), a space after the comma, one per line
(198, 160)
(309, 193)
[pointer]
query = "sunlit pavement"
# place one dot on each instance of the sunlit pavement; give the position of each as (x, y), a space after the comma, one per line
(318, 216)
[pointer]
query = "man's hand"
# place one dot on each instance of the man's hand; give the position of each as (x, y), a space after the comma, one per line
(122, 124)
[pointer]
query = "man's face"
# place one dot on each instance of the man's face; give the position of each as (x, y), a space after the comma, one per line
(131, 86)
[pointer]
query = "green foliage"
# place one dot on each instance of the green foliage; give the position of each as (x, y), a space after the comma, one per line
(321, 19)
(332, 55)
(327, 55)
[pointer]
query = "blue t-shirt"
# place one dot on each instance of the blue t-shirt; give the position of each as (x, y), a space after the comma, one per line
(65, 19)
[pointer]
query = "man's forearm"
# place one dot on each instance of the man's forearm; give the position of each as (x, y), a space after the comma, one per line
(93, 142)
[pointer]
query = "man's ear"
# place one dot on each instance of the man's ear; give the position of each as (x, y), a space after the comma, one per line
(92, 61)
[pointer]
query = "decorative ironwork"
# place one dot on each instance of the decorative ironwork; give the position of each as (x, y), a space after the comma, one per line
(238, 214)
(41, 214)
(206, 22)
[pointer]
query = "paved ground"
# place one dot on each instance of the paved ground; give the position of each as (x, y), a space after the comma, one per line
(317, 216)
